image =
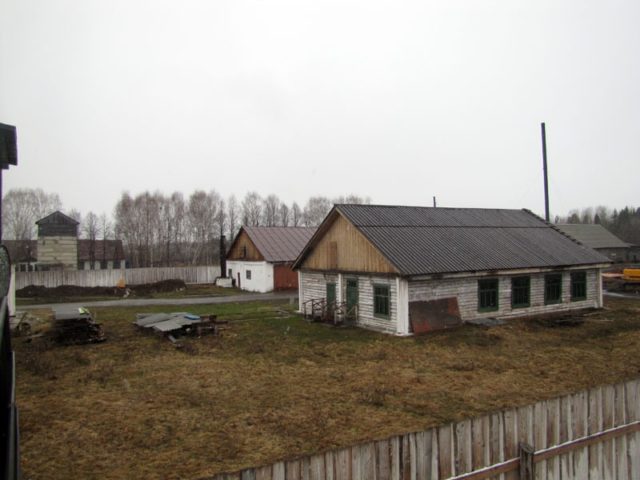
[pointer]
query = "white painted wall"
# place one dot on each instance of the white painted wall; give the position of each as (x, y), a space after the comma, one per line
(261, 275)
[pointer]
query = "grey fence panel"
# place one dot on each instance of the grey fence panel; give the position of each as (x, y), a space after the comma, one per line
(110, 278)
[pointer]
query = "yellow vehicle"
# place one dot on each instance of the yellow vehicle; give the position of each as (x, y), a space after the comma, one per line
(631, 275)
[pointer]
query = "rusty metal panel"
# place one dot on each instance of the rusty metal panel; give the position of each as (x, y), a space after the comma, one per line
(427, 316)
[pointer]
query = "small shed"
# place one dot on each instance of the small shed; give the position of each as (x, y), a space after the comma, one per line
(260, 258)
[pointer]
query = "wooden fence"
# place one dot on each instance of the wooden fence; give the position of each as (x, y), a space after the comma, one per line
(593, 434)
(109, 278)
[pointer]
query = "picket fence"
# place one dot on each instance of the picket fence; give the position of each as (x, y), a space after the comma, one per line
(593, 434)
(109, 278)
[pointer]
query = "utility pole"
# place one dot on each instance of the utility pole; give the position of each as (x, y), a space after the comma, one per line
(544, 167)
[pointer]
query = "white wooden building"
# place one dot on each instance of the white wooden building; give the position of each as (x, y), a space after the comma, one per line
(413, 269)
(260, 258)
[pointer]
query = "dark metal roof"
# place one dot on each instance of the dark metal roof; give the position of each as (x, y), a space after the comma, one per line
(279, 244)
(57, 218)
(594, 236)
(424, 240)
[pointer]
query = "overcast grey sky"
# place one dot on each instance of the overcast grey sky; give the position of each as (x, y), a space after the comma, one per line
(397, 100)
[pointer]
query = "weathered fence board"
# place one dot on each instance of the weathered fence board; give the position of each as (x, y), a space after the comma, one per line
(109, 278)
(574, 437)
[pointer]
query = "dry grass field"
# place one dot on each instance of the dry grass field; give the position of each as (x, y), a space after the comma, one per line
(274, 386)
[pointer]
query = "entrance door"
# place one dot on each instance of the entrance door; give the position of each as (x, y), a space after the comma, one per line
(352, 295)
(239, 286)
(331, 293)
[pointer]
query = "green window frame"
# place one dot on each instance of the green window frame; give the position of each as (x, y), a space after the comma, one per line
(381, 301)
(578, 286)
(520, 292)
(552, 288)
(488, 295)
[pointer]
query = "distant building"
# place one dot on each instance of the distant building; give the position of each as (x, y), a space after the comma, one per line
(260, 258)
(602, 240)
(58, 248)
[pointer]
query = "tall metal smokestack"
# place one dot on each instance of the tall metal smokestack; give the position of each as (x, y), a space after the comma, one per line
(434, 202)
(544, 166)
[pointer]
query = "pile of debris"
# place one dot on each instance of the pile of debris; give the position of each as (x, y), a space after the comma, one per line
(172, 325)
(120, 290)
(64, 326)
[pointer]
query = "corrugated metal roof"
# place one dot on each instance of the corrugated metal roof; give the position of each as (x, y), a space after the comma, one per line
(280, 244)
(424, 240)
(594, 236)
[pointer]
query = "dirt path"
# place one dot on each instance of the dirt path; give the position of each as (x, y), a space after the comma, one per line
(144, 302)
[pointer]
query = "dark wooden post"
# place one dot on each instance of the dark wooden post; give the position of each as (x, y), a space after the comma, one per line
(527, 471)
(223, 257)
(8, 156)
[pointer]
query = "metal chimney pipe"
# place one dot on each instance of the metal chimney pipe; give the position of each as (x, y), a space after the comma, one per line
(544, 167)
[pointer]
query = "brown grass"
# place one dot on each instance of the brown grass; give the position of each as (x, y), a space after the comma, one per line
(274, 386)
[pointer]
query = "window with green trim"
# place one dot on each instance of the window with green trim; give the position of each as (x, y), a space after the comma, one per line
(578, 286)
(381, 301)
(552, 288)
(488, 295)
(520, 292)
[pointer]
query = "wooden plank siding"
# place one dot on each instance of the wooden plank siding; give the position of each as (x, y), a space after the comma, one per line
(466, 291)
(486, 447)
(236, 251)
(343, 248)
(61, 250)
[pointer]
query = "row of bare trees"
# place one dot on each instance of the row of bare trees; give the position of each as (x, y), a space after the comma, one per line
(624, 223)
(164, 230)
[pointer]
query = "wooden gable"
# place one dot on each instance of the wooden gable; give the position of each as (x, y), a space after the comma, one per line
(244, 249)
(343, 248)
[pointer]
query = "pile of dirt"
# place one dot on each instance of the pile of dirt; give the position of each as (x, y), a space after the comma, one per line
(163, 286)
(39, 291)
(31, 291)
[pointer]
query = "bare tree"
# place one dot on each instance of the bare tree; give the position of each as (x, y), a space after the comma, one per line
(75, 214)
(284, 214)
(296, 215)
(251, 209)
(233, 215)
(22, 207)
(586, 215)
(106, 228)
(91, 230)
(271, 211)
(315, 210)
(203, 219)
